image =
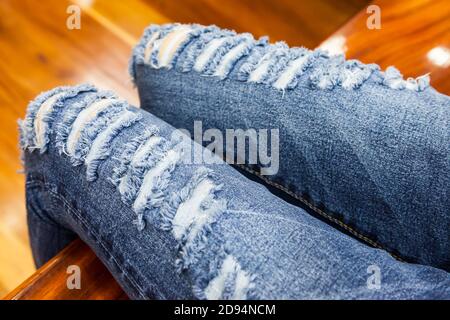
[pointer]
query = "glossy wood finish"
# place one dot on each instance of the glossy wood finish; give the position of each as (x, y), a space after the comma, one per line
(50, 281)
(296, 22)
(38, 52)
(409, 30)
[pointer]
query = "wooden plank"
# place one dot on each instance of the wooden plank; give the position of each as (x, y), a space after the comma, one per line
(50, 281)
(15, 259)
(126, 19)
(39, 52)
(410, 29)
(299, 23)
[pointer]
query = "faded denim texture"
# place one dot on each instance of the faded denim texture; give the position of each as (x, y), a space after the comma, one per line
(113, 175)
(362, 148)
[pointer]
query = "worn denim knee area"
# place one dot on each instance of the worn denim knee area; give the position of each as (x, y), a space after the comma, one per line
(363, 148)
(117, 176)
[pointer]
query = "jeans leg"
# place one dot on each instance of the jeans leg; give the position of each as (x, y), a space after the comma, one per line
(361, 148)
(47, 237)
(168, 227)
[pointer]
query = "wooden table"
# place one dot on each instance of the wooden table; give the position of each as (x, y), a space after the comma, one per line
(50, 281)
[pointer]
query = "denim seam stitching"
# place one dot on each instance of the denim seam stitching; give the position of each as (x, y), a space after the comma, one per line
(31, 184)
(87, 225)
(321, 212)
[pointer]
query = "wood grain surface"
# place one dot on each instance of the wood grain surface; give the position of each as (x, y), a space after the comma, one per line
(410, 30)
(52, 279)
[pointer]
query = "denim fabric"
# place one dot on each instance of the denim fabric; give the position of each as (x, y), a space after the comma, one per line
(120, 178)
(363, 148)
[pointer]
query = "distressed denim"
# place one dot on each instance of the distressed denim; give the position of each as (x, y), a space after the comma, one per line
(359, 147)
(120, 178)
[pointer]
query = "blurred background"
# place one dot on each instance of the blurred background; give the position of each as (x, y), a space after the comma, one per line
(40, 48)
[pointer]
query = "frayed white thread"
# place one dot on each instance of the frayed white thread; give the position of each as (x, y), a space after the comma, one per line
(83, 118)
(294, 68)
(224, 67)
(28, 136)
(265, 64)
(394, 79)
(149, 46)
(137, 159)
(170, 44)
(216, 286)
(229, 271)
(261, 69)
(145, 192)
(143, 151)
(124, 160)
(262, 62)
(207, 54)
(170, 208)
(190, 210)
(243, 283)
(39, 125)
(100, 148)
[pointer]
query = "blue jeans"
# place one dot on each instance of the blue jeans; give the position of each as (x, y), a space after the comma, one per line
(363, 149)
(167, 228)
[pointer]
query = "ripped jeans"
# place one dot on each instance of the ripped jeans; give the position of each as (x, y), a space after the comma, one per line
(119, 178)
(363, 149)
